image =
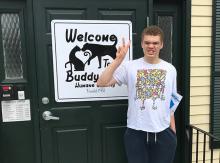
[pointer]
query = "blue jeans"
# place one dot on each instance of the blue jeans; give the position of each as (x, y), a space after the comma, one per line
(146, 147)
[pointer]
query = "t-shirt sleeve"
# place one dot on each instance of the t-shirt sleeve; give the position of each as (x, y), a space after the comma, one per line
(175, 96)
(120, 74)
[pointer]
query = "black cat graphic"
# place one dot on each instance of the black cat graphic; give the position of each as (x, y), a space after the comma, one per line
(73, 60)
(100, 51)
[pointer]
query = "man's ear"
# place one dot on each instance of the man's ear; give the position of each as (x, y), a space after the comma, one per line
(142, 44)
(161, 46)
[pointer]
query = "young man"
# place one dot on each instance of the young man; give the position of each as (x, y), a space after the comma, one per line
(152, 96)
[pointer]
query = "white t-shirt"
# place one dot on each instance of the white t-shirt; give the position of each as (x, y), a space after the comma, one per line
(152, 94)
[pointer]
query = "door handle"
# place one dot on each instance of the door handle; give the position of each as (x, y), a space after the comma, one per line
(47, 115)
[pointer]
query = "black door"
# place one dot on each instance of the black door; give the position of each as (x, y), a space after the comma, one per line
(86, 132)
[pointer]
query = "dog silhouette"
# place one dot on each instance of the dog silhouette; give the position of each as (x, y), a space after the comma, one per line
(99, 51)
(73, 60)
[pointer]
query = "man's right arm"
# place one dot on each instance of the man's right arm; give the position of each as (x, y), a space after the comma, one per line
(106, 79)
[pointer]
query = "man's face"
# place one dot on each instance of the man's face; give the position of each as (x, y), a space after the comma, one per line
(151, 46)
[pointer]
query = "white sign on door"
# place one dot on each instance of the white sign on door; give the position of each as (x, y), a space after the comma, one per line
(16, 110)
(82, 49)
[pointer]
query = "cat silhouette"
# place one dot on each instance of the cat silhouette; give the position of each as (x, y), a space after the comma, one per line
(73, 60)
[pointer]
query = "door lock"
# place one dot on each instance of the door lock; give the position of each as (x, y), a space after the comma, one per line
(47, 115)
(45, 100)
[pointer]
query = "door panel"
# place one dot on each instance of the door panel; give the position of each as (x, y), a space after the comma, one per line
(74, 139)
(112, 136)
(86, 132)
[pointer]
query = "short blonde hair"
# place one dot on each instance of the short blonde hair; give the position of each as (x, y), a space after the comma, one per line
(153, 31)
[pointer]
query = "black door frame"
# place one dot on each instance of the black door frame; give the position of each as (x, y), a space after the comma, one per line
(186, 73)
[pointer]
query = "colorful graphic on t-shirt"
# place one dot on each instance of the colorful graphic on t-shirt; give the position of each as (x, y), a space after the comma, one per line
(150, 85)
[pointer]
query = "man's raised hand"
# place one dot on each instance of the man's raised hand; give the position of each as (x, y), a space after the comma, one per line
(122, 50)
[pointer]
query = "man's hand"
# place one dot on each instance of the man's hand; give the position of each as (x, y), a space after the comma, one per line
(106, 78)
(122, 50)
(172, 123)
